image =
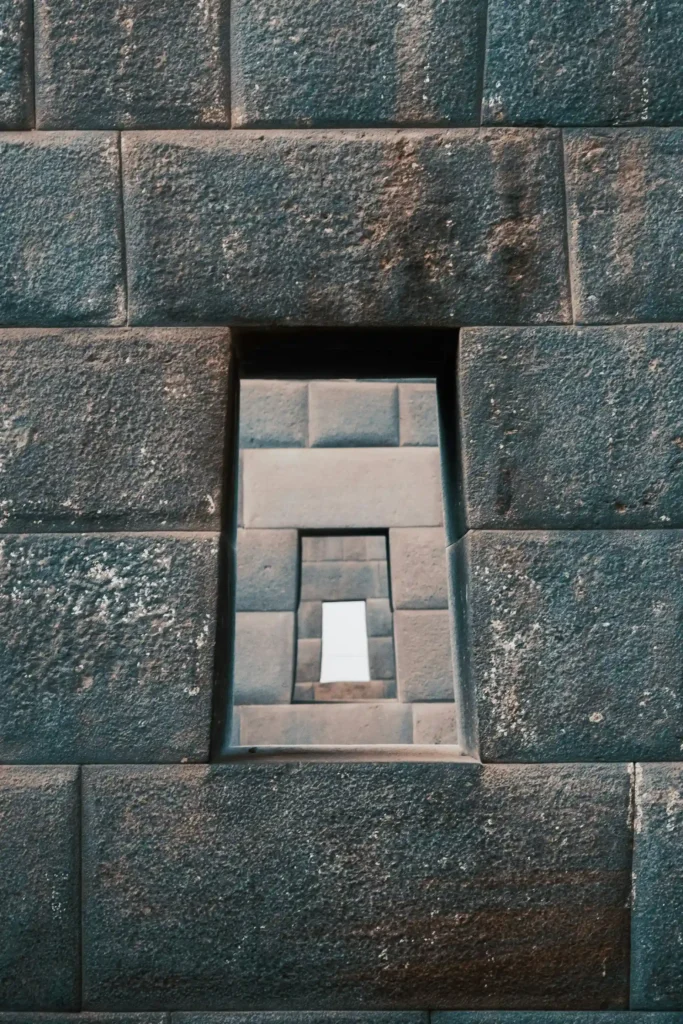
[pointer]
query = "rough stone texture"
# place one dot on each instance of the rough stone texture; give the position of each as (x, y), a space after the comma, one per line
(16, 64)
(418, 568)
(391, 885)
(617, 63)
(308, 1017)
(264, 657)
(540, 1017)
(429, 227)
(574, 644)
(342, 488)
(132, 64)
(308, 655)
(273, 414)
(343, 581)
(625, 208)
(39, 889)
(267, 570)
(60, 237)
(325, 724)
(572, 427)
(435, 723)
(357, 414)
(309, 620)
(112, 428)
(424, 666)
(657, 922)
(106, 646)
(356, 62)
(418, 414)
(87, 1018)
(379, 617)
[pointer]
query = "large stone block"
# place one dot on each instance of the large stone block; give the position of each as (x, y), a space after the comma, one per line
(342, 488)
(418, 568)
(428, 227)
(572, 427)
(16, 64)
(343, 581)
(390, 885)
(625, 210)
(131, 64)
(541, 1017)
(273, 414)
(424, 665)
(264, 657)
(307, 1017)
(61, 231)
(615, 64)
(435, 723)
(574, 643)
(378, 617)
(39, 889)
(657, 916)
(419, 414)
(356, 63)
(106, 646)
(87, 1018)
(112, 428)
(267, 570)
(360, 414)
(325, 724)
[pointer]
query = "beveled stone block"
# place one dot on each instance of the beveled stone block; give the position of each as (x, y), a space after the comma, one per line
(267, 570)
(418, 568)
(419, 414)
(273, 414)
(263, 670)
(357, 414)
(424, 666)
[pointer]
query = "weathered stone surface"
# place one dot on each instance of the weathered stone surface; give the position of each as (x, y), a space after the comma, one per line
(106, 646)
(575, 644)
(372, 690)
(381, 655)
(308, 1017)
(428, 227)
(39, 889)
(85, 1018)
(424, 666)
(264, 657)
(418, 414)
(343, 581)
(572, 427)
(273, 414)
(309, 620)
(360, 414)
(267, 570)
(112, 428)
(379, 617)
(325, 724)
(308, 655)
(541, 1017)
(418, 568)
(615, 64)
(16, 64)
(625, 210)
(356, 63)
(657, 921)
(379, 885)
(342, 488)
(60, 237)
(131, 64)
(435, 723)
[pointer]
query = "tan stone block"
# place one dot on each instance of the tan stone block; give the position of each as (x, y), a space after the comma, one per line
(424, 667)
(435, 723)
(418, 562)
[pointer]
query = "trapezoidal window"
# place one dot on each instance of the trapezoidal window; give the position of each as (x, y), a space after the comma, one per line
(343, 633)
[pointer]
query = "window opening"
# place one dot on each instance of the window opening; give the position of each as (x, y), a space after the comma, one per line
(345, 657)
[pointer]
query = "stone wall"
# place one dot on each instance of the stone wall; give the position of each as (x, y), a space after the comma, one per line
(174, 172)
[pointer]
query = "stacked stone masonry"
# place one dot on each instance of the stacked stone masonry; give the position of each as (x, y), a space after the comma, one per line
(173, 173)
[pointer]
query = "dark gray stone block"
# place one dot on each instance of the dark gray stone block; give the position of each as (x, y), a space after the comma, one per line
(112, 428)
(305, 1017)
(85, 1018)
(355, 414)
(16, 64)
(132, 64)
(354, 62)
(574, 643)
(541, 1017)
(429, 227)
(625, 210)
(106, 646)
(572, 427)
(657, 916)
(551, 62)
(380, 885)
(39, 889)
(60, 237)
(267, 570)
(273, 414)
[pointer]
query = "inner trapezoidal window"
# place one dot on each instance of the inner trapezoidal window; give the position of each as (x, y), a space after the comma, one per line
(342, 626)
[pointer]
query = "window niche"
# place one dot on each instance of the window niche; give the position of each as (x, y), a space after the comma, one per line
(343, 638)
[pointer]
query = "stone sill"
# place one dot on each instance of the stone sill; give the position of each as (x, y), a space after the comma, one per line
(376, 752)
